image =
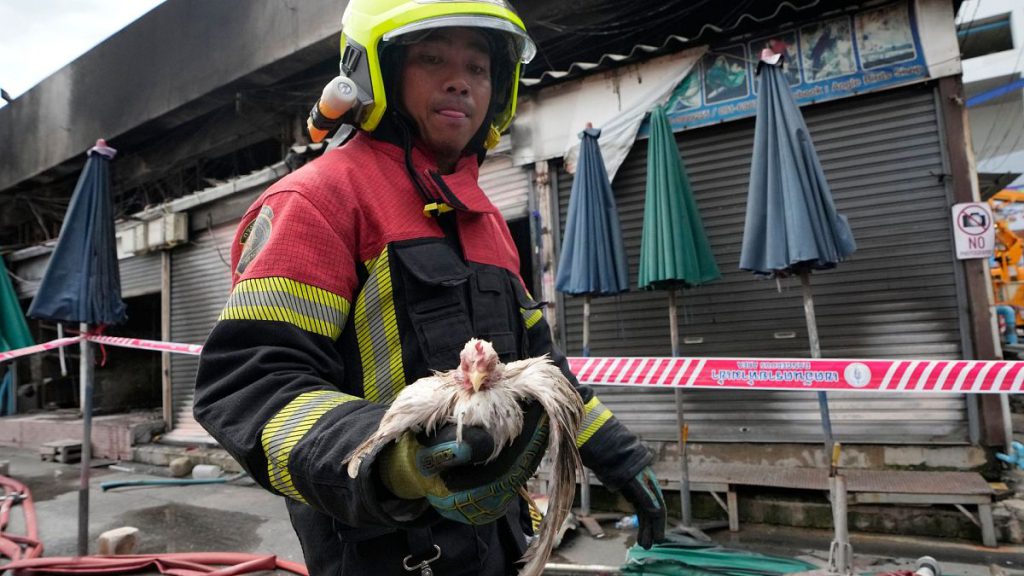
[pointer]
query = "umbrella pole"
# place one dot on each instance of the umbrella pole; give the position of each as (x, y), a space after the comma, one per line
(836, 482)
(585, 481)
(86, 375)
(586, 326)
(812, 335)
(673, 322)
(684, 465)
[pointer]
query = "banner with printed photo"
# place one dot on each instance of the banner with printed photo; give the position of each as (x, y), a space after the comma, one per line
(865, 51)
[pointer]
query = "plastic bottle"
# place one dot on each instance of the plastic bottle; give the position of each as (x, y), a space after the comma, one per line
(206, 471)
(339, 96)
(627, 522)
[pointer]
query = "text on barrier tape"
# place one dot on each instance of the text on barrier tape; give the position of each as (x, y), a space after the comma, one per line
(931, 376)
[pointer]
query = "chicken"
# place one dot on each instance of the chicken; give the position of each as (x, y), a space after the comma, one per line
(484, 392)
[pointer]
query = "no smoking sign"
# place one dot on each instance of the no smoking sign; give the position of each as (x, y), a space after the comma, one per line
(973, 230)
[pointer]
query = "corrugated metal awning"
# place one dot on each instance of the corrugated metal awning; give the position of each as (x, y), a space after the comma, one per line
(576, 38)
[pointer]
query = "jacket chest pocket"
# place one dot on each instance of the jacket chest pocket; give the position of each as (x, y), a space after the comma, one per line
(496, 311)
(434, 283)
(447, 302)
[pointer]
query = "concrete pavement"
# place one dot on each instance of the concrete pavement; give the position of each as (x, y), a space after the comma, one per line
(241, 517)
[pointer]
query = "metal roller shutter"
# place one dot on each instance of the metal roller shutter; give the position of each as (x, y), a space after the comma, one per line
(200, 283)
(896, 298)
(506, 185)
(140, 275)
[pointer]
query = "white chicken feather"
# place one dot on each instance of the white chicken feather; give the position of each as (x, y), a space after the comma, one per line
(484, 392)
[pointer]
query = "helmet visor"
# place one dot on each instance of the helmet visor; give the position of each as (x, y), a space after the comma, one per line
(522, 44)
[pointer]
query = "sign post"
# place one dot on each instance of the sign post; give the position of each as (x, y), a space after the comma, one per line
(973, 230)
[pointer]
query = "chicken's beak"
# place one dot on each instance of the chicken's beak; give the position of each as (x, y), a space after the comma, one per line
(476, 378)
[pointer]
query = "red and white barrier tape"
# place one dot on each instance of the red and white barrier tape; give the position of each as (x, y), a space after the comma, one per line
(51, 345)
(138, 343)
(928, 376)
(155, 345)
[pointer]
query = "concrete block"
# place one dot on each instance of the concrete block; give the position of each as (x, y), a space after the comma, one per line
(782, 455)
(1009, 514)
(181, 466)
(119, 541)
(67, 451)
(155, 454)
(940, 458)
(111, 435)
(161, 455)
(5, 467)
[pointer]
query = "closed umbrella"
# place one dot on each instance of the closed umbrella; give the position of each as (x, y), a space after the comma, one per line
(792, 226)
(13, 334)
(593, 260)
(674, 251)
(82, 284)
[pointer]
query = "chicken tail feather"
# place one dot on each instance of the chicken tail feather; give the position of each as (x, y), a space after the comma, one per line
(567, 461)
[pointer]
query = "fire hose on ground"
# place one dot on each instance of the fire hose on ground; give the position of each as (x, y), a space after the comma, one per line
(23, 552)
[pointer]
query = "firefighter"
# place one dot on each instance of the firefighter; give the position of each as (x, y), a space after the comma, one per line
(368, 268)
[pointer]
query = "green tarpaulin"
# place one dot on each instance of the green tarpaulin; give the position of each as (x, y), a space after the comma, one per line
(678, 559)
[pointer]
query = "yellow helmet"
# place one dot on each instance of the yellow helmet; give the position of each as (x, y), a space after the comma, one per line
(368, 26)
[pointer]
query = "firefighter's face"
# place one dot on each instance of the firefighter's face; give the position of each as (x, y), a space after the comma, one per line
(446, 89)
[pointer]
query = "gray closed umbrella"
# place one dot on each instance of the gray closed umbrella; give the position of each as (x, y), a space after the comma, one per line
(792, 226)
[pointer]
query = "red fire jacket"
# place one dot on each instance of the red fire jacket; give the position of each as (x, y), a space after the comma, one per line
(343, 293)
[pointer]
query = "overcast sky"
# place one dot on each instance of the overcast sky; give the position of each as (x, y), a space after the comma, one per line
(38, 37)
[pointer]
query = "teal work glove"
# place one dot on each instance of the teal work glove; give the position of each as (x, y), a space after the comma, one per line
(453, 476)
(643, 492)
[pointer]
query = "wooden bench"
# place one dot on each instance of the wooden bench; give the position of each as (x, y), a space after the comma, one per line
(715, 488)
(959, 489)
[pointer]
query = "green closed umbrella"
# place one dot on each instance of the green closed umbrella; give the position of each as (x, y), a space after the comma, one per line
(674, 251)
(14, 331)
(14, 334)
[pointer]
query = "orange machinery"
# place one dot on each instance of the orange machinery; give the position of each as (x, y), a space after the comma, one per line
(1008, 271)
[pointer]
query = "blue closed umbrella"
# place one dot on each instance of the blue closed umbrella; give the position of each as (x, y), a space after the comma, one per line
(593, 260)
(792, 226)
(82, 284)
